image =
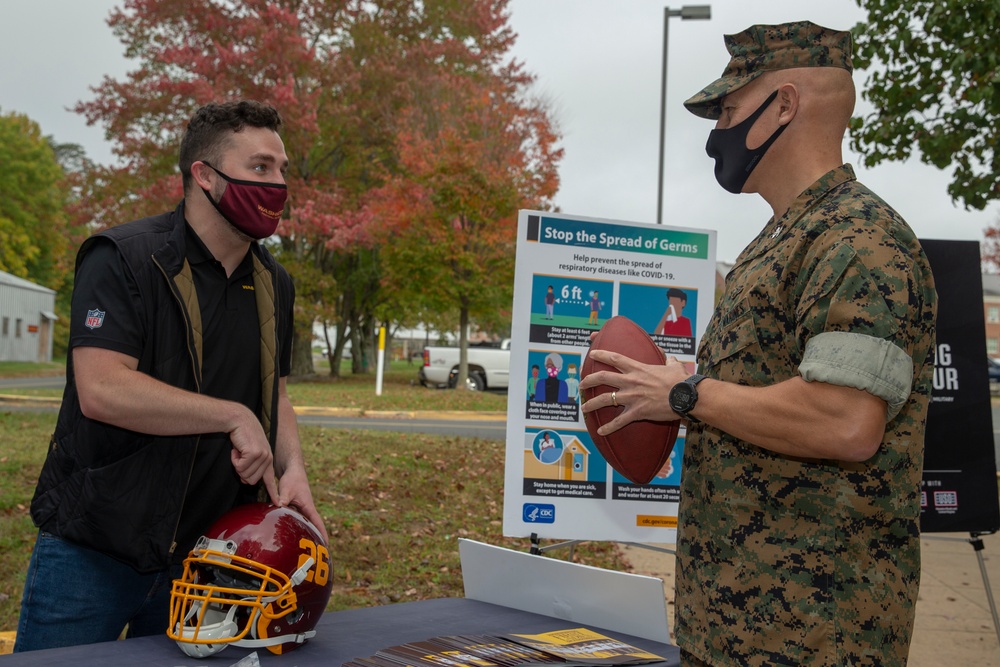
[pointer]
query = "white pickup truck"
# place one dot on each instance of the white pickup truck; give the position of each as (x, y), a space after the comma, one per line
(489, 367)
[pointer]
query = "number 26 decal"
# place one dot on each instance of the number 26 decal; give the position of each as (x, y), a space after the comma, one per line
(320, 574)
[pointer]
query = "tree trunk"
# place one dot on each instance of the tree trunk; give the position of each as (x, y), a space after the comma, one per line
(334, 351)
(302, 361)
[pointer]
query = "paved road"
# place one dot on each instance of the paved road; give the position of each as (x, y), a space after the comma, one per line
(57, 382)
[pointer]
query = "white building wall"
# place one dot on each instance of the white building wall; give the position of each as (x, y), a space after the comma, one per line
(27, 315)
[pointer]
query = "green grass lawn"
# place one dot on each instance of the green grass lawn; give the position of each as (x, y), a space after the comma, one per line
(394, 504)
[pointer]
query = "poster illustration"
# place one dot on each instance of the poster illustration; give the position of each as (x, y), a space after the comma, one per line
(553, 386)
(573, 274)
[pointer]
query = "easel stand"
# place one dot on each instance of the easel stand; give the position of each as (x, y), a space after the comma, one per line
(976, 540)
(537, 550)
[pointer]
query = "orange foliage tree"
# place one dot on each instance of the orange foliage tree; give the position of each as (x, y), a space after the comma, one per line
(346, 76)
(468, 160)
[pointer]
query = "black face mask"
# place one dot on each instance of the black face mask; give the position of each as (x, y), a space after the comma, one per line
(733, 160)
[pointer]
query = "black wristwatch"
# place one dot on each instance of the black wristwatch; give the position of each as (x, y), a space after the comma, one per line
(683, 396)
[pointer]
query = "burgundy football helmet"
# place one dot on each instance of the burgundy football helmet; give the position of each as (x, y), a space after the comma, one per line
(259, 578)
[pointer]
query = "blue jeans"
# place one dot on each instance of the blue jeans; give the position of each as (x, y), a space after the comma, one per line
(74, 595)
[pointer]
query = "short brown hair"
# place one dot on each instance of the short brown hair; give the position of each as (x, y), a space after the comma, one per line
(211, 126)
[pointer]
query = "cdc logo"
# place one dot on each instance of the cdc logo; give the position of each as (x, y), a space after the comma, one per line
(535, 513)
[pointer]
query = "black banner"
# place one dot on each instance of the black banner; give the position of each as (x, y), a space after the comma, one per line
(959, 488)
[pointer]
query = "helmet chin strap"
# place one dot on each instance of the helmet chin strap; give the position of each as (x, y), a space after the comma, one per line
(300, 574)
(274, 641)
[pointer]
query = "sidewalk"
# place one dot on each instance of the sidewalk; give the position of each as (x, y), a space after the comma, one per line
(954, 625)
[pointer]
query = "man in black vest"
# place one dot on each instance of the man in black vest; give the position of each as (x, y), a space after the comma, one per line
(175, 407)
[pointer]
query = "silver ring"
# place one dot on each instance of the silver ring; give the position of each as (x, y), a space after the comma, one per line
(614, 399)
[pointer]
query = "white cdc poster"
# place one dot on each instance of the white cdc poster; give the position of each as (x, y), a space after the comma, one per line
(572, 275)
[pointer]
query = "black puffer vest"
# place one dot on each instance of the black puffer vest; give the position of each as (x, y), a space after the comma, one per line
(121, 492)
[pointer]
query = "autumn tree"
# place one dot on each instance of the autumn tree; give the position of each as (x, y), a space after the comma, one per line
(397, 65)
(342, 73)
(935, 86)
(32, 219)
(470, 157)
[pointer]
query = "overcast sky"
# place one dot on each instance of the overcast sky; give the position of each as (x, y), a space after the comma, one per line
(598, 64)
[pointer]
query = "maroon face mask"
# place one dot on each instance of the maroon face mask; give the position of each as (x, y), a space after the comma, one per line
(252, 207)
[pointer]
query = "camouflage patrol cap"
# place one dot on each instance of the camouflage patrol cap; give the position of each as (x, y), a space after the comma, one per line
(763, 48)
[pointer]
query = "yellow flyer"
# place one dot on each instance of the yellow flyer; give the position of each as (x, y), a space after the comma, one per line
(580, 645)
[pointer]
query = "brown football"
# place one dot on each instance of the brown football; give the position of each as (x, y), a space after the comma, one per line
(638, 450)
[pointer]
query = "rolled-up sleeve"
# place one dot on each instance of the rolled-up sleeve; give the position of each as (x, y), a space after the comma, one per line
(864, 362)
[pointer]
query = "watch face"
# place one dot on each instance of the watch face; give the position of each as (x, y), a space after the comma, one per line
(680, 397)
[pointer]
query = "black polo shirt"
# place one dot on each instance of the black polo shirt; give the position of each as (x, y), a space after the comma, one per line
(231, 335)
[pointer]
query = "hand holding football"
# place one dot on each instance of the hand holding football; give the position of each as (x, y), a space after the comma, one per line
(639, 449)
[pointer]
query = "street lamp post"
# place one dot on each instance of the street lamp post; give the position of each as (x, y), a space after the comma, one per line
(697, 12)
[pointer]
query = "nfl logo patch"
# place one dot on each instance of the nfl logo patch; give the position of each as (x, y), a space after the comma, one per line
(95, 318)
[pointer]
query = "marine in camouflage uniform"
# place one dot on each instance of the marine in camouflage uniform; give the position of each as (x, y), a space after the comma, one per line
(785, 561)
(791, 561)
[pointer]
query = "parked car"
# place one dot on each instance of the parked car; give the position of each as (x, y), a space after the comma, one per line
(489, 367)
(993, 370)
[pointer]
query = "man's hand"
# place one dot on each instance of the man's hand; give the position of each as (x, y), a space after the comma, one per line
(295, 493)
(290, 464)
(641, 388)
(251, 456)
